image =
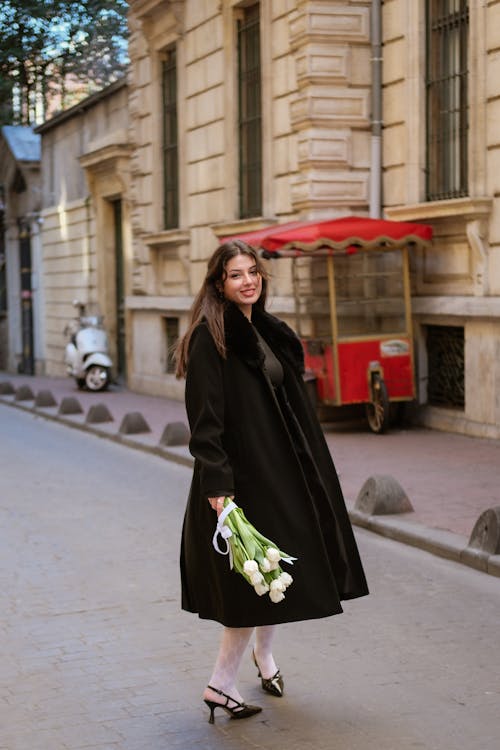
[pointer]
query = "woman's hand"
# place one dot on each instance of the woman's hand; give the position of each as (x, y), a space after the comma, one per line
(217, 503)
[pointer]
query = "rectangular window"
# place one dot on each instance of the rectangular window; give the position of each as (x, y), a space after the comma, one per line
(250, 113)
(447, 105)
(170, 141)
(172, 335)
(446, 366)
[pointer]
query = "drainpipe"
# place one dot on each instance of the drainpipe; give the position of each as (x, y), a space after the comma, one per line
(376, 139)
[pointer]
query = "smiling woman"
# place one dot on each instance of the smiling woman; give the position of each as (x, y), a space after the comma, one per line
(242, 283)
(255, 438)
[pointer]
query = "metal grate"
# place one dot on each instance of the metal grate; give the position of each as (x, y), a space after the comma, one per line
(170, 142)
(447, 105)
(172, 336)
(445, 353)
(250, 114)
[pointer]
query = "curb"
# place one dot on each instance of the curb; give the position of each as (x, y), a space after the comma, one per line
(440, 543)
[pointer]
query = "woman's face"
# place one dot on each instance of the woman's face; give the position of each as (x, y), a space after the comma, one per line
(243, 283)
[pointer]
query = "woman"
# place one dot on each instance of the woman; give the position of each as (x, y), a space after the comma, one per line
(255, 437)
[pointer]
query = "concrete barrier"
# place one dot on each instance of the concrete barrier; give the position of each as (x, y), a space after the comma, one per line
(134, 423)
(175, 433)
(98, 413)
(45, 399)
(24, 393)
(70, 405)
(382, 495)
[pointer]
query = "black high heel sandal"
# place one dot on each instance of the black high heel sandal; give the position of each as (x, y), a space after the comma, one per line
(273, 685)
(238, 711)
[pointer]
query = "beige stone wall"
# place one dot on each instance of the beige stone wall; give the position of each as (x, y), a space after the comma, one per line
(69, 265)
(315, 59)
(84, 167)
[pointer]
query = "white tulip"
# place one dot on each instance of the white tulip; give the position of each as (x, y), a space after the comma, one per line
(276, 596)
(286, 579)
(265, 565)
(256, 578)
(273, 554)
(250, 566)
(277, 585)
(261, 588)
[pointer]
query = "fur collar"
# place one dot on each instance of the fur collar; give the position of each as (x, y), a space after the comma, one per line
(242, 339)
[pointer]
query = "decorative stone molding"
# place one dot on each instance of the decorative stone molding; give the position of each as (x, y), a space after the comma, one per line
(476, 234)
(435, 210)
(459, 307)
(324, 189)
(331, 103)
(459, 224)
(322, 21)
(318, 147)
(230, 228)
(319, 106)
(169, 239)
(319, 64)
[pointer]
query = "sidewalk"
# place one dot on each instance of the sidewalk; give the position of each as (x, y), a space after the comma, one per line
(450, 479)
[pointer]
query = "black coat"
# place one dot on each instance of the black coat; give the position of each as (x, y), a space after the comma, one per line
(267, 448)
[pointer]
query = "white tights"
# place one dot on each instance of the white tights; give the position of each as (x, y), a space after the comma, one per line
(233, 644)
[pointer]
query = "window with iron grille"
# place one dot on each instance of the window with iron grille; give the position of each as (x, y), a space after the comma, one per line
(172, 335)
(445, 356)
(250, 116)
(170, 141)
(447, 98)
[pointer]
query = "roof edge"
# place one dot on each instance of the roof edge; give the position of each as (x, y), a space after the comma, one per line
(82, 105)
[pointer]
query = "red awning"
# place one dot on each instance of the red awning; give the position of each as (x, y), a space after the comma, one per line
(341, 235)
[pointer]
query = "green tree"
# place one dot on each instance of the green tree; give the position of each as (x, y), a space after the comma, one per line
(53, 53)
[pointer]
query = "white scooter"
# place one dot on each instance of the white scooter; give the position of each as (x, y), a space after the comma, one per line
(86, 356)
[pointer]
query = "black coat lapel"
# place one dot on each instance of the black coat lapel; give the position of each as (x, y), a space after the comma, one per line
(242, 339)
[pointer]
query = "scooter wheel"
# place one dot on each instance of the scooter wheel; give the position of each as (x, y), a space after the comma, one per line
(97, 378)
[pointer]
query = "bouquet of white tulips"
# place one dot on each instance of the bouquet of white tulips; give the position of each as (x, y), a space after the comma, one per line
(256, 558)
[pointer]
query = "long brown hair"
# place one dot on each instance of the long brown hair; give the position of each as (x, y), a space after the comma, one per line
(209, 303)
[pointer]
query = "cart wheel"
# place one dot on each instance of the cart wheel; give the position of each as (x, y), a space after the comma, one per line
(377, 411)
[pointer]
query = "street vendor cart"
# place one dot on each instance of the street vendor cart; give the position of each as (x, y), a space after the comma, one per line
(352, 305)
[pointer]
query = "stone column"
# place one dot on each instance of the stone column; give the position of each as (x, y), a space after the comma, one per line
(331, 113)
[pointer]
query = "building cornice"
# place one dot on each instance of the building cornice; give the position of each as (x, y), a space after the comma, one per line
(467, 208)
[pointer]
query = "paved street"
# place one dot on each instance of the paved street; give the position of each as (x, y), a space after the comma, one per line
(95, 652)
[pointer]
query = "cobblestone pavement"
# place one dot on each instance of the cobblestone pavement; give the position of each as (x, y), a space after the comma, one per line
(95, 652)
(450, 479)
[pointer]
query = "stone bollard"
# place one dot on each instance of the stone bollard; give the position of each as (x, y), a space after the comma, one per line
(175, 433)
(484, 543)
(45, 399)
(6, 388)
(486, 532)
(70, 405)
(382, 495)
(134, 423)
(98, 413)
(24, 393)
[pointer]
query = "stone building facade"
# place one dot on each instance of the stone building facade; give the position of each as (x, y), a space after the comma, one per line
(456, 285)
(310, 63)
(85, 229)
(237, 115)
(21, 285)
(317, 94)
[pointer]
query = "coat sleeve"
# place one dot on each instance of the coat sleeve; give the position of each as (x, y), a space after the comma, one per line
(205, 411)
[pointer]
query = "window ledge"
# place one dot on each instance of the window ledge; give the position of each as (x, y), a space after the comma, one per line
(170, 238)
(239, 226)
(467, 208)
